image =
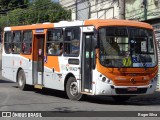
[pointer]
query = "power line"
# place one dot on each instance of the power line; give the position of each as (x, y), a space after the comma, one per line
(55, 3)
(108, 9)
(40, 6)
(43, 6)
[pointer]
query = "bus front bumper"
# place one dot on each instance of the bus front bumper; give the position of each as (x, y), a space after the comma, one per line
(106, 89)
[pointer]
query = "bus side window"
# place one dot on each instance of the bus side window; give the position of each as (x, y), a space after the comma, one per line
(27, 42)
(7, 42)
(54, 42)
(16, 42)
(72, 41)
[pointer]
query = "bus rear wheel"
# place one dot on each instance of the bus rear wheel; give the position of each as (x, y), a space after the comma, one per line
(22, 80)
(72, 89)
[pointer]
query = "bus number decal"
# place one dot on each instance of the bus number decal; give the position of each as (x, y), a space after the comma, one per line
(68, 68)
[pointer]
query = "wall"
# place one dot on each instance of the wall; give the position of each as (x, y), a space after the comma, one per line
(135, 9)
(69, 4)
(103, 9)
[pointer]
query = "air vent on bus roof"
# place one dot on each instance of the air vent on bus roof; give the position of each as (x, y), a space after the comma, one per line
(63, 21)
(46, 22)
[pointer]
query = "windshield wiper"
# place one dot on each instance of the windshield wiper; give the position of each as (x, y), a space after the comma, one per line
(120, 65)
(143, 63)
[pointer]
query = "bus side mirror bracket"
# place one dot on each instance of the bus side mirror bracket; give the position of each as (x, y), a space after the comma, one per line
(95, 46)
(94, 59)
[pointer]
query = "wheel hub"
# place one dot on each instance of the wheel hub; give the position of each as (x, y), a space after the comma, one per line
(20, 81)
(74, 89)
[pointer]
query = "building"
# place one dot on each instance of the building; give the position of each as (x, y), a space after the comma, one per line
(142, 9)
(69, 4)
(88, 9)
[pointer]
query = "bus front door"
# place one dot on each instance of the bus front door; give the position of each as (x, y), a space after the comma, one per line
(87, 63)
(38, 59)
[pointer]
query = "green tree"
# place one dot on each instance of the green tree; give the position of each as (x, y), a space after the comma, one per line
(15, 17)
(48, 11)
(37, 11)
(10, 11)
(12, 4)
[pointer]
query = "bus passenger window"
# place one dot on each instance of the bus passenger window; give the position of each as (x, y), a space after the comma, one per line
(51, 49)
(16, 42)
(72, 41)
(60, 51)
(75, 47)
(8, 43)
(27, 42)
(8, 48)
(54, 42)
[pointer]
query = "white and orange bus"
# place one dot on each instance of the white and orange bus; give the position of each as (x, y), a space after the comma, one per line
(117, 58)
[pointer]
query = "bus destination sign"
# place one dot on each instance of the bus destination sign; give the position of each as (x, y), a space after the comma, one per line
(39, 30)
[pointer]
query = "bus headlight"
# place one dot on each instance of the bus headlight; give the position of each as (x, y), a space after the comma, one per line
(154, 79)
(104, 79)
(109, 81)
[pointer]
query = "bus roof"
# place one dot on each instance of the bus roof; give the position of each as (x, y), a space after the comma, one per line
(29, 27)
(115, 22)
(91, 22)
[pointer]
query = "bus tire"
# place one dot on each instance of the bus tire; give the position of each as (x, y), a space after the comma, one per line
(72, 90)
(22, 80)
(121, 99)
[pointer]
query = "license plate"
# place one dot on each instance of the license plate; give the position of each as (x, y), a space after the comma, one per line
(132, 89)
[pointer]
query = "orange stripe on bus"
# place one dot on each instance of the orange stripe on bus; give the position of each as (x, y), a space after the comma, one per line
(98, 23)
(52, 62)
(31, 27)
(113, 73)
(26, 56)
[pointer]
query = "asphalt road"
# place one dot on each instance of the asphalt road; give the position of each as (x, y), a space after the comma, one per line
(13, 99)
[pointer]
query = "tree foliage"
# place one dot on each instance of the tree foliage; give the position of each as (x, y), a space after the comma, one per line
(37, 11)
(6, 5)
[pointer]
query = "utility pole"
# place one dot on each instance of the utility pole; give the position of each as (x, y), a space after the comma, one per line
(145, 9)
(121, 9)
(76, 2)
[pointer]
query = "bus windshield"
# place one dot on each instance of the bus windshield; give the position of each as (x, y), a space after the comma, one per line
(127, 47)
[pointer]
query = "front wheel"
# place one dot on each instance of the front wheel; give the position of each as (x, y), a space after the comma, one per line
(72, 89)
(22, 80)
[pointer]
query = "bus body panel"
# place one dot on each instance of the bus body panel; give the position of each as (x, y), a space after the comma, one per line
(57, 68)
(52, 80)
(23, 63)
(104, 88)
(7, 66)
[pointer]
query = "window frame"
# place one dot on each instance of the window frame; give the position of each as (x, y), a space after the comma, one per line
(8, 42)
(54, 41)
(28, 42)
(71, 41)
(13, 42)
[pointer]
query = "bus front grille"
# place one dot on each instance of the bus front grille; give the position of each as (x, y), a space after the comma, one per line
(125, 91)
